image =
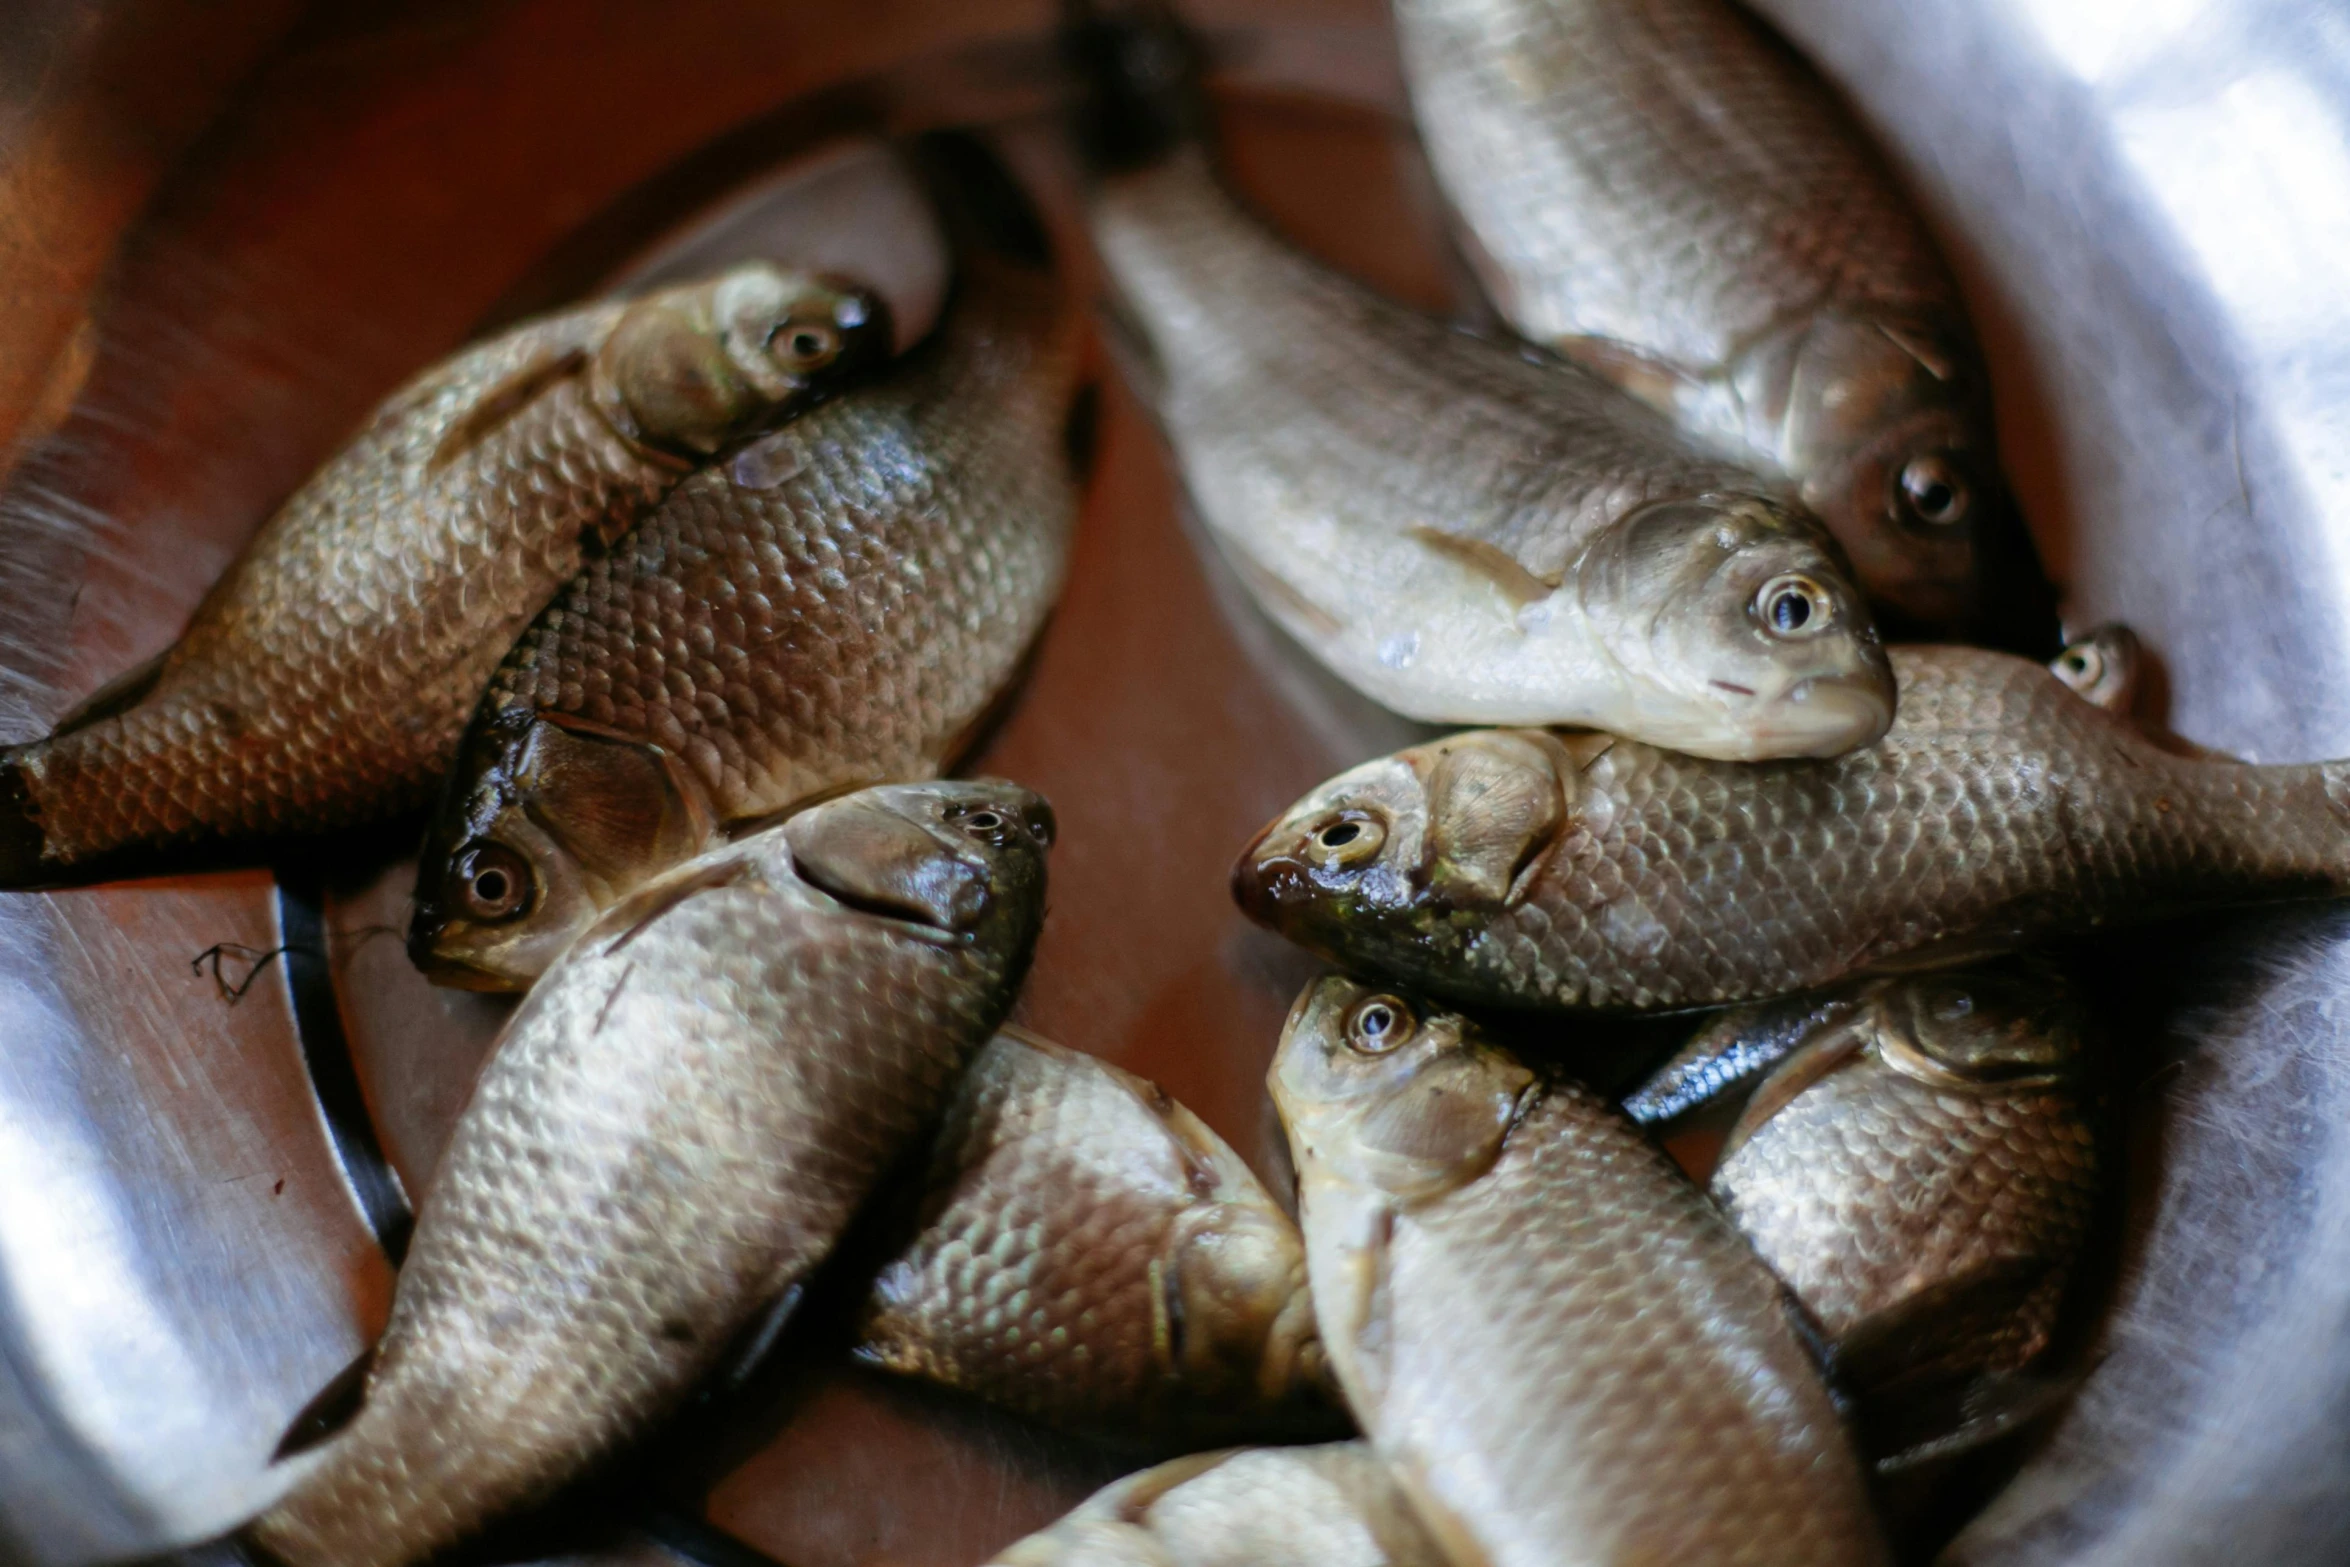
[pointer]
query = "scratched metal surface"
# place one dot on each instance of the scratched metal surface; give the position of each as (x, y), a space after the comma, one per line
(2149, 204)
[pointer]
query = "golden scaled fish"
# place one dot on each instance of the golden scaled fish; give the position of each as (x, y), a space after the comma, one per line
(1530, 869)
(1920, 1166)
(1463, 531)
(1331, 1506)
(1090, 1254)
(1563, 1349)
(325, 680)
(840, 602)
(672, 1132)
(1665, 192)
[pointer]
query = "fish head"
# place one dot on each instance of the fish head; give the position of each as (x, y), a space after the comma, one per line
(545, 826)
(1992, 1029)
(1381, 1092)
(688, 370)
(1394, 863)
(2105, 667)
(1736, 632)
(1885, 422)
(963, 859)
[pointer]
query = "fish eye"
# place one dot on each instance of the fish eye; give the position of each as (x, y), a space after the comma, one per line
(1933, 490)
(492, 882)
(2081, 666)
(1349, 840)
(985, 823)
(1380, 1025)
(806, 345)
(1792, 605)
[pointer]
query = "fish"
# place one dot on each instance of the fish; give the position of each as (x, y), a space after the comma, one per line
(1560, 1345)
(1462, 530)
(672, 1131)
(2104, 666)
(1335, 1505)
(1530, 869)
(1664, 191)
(325, 680)
(1090, 1254)
(843, 601)
(1921, 1169)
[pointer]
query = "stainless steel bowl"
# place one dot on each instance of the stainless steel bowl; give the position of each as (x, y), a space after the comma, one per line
(2149, 202)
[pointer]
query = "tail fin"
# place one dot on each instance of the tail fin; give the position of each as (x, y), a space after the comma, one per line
(1138, 73)
(22, 866)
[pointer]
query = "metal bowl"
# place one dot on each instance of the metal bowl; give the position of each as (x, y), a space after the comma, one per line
(203, 1166)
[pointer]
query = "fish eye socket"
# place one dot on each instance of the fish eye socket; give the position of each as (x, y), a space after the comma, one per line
(2080, 665)
(1933, 490)
(492, 883)
(806, 345)
(984, 823)
(1349, 840)
(1792, 606)
(1379, 1025)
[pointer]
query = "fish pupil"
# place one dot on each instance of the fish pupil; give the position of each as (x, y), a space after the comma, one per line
(1789, 611)
(1339, 834)
(491, 886)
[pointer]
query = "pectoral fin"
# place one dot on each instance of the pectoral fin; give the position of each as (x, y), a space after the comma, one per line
(1497, 565)
(504, 399)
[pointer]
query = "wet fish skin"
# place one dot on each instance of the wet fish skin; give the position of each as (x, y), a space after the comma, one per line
(673, 1130)
(1560, 1345)
(1090, 1254)
(1467, 534)
(839, 602)
(1331, 1506)
(1665, 191)
(1528, 869)
(1922, 1172)
(325, 680)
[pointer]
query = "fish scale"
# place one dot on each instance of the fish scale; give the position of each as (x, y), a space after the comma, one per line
(673, 1129)
(2000, 808)
(1090, 1254)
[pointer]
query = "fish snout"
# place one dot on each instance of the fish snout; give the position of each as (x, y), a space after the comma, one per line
(1267, 883)
(929, 853)
(1824, 716)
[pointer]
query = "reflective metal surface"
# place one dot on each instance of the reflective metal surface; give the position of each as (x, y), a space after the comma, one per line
(2149, 203)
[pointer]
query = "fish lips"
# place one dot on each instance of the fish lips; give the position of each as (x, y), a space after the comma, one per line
(887, 863)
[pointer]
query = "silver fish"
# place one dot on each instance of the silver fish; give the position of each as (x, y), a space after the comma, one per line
(674, 1129)
(1332, 1506)
(1564, 1350)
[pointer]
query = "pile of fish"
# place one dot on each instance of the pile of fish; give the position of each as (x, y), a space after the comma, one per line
(681, 605)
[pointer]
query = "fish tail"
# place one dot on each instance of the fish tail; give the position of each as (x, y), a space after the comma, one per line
(23, 861)
(1138, 72)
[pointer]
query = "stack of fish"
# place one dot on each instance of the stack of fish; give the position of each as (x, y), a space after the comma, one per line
(638, 583)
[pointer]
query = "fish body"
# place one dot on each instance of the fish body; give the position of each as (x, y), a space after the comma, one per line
(1530, 869)
(1562, 1348)
(671, 1133)
(1921, 1172)
(1331, 1506)
(1090, 1254)
(1462, 532)
(326, 679)
(838, 603)
(1663, 190)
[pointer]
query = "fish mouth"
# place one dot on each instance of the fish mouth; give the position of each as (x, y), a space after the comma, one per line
(1824, 716)
(882, 863)
(1267, 884)
(452, 973)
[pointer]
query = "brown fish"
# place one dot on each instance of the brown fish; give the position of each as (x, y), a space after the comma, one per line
(326, 679)
(840, 602)
(1525, 868)
(1331, 1506)
(1921, 1172)
(1091, 1255)
(1560, 1345)
(672, 1132)
(1662, 190)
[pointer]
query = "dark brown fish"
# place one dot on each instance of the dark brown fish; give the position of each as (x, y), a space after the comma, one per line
(1563, 1349)
(1091, 1255)
(1532, 869)
(839, 602)
(1665, 192)
(673, 1131)
(326, 679)
(1331, 1506)
(1921, 1171)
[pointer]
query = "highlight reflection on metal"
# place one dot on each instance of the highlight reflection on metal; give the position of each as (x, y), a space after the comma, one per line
(2149, 202)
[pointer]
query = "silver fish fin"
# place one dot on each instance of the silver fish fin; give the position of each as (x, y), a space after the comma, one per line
(751, 1346)
(498, 406)
(1926, 347)
(1271, 589)
(1520, 586)
(119, 695)
(1653, 381)
(334, 1407)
